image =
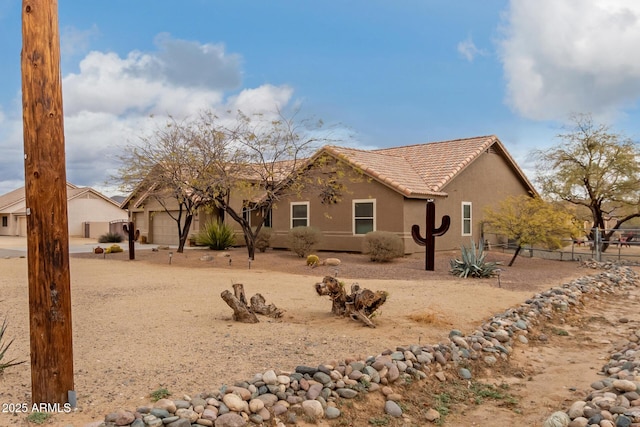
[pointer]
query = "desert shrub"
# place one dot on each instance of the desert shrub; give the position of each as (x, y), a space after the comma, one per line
(263, 239)
(113, 249)
(217, 236)
(161, 393)
(303, 239)
(4, 346)
(472, 263)
(110, 238)
(313, 260)
(382, 246)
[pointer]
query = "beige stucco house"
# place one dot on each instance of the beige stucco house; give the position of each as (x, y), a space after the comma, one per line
(89, 212)
(387, 190)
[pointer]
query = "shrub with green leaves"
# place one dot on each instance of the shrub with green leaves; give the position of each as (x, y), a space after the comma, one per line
(263, 239)
(472, 263)
(217, 236)
(110, 238)
(4, 346)
(382, 246)
(303, 239)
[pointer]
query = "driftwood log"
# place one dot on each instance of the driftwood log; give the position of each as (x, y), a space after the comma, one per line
(360, 304)
(245, 313)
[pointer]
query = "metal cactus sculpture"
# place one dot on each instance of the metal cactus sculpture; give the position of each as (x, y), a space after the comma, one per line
(431, 232)
(129, 229)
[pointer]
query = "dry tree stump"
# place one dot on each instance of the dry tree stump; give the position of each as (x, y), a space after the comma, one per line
(360, 304)
(245, 313)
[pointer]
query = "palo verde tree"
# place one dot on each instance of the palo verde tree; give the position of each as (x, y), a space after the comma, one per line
(596, 169)
(530, 221)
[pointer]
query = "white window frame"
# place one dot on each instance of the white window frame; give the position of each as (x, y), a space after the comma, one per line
(465, 220)
(353, 214)
(291, 213)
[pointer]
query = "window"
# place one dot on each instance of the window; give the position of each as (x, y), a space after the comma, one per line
(466, 219)
(299, 214)
(267, 219)
(5, 221)
(246, 214)
(364, 216)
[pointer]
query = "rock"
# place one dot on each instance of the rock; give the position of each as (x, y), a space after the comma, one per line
(332, 413)
(464, 373)
(392, 408)
(165, 404)
(624, 385)
(180, 422)
(347, 393)
(432, 415)
(313, 409)
(230, 419)
(557, 419)
(234, 402)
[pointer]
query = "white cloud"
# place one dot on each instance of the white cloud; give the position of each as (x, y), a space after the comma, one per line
(564, 56)
(467, 48)
(108, 104)
(75, 41)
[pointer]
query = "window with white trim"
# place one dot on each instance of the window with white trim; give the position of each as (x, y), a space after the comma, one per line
(364, 216)
(299, 214)
(466, 219)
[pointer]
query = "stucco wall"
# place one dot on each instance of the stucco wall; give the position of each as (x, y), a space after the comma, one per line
(485, 182)
(90, 208)
(336, 220)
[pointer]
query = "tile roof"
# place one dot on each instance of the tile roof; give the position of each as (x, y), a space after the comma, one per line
(423, 169)
(73, 191)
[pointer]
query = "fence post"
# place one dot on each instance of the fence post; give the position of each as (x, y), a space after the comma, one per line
(596, 243)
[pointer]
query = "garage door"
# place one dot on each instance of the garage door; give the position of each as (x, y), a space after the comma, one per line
(164, 230)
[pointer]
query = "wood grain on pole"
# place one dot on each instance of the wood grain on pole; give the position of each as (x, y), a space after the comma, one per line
(46, 201)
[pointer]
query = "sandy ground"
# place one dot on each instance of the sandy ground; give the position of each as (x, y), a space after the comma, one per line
(145, 324)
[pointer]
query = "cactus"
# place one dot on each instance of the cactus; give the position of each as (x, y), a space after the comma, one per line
(429, 240)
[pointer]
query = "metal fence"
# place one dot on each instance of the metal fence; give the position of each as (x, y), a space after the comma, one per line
(622, 245)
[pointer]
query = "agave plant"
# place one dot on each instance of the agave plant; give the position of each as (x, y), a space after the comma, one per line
(473, 263)
(3, 349)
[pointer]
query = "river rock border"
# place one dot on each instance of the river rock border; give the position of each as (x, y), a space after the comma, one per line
(278, 397)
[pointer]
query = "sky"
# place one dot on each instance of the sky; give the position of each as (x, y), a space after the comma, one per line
(388, 73)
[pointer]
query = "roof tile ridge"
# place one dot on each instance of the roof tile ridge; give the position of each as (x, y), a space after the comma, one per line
(376, 174)
(489, 140)
(435, 142)
(376, 151)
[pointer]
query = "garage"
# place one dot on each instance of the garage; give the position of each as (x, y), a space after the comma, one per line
(164, 230)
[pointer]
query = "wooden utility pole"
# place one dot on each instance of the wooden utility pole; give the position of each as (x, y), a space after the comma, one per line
(46, 198)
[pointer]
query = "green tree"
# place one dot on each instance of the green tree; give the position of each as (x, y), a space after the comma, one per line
(593, 168)
(530, 221)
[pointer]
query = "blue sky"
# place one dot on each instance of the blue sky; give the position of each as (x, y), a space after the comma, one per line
(391, 72)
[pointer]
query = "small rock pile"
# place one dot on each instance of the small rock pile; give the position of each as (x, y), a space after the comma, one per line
(279, 397)
(613, 401)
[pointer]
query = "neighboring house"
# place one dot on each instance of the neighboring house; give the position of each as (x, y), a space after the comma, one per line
(88, 211)
(387, 190)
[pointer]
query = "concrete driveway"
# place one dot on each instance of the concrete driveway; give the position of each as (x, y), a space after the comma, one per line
(15, 247)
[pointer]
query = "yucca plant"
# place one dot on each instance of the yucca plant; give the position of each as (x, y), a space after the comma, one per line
(473, 263)
(217, 236)
(3, 349)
